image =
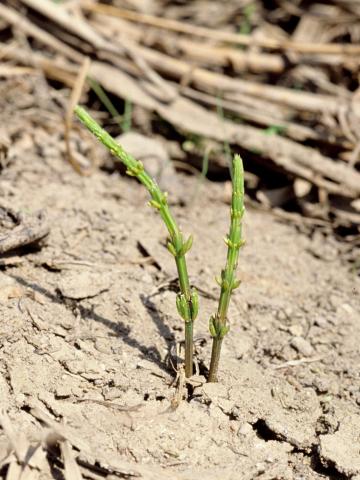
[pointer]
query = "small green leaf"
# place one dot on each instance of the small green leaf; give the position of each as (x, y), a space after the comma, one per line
(223, 331)
(134, 171)
(212, 327)
(154, 204)
(275, 130)
(171, 249)
(216, 329)
(183, 307)
(187, 245)
(194, 304)
(227, 241)
(178, 304)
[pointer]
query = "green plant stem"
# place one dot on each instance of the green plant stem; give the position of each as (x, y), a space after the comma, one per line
(187, 300)
(218, 323)
(215, 359)
(189, 348)
(186, 291)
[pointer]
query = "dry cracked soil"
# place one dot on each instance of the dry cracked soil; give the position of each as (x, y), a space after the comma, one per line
(88, 319)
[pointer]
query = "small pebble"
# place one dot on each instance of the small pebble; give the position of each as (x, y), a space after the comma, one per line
(233, 425)
(245, 429)
(296, 330)
(63, 391)
(321, 384)
(347, 308)
(102, 345)
(281, 315)
(77, 391)
(302, 346)
(335, 301)
(147, 278)
(20, 399)
(113, 393)
(321, 322)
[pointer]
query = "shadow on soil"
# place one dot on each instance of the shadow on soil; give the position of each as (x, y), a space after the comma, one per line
(119, 328)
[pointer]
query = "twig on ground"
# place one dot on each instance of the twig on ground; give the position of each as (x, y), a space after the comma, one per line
(300, 361)
(74, 100)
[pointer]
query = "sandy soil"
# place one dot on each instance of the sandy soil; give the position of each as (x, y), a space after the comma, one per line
(88, 319)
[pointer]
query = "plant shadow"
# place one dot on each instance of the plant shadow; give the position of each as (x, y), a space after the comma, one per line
(119, 328)
(164, 330)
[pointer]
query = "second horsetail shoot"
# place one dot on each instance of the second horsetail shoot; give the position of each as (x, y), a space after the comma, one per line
(228, 282)
(187, 299)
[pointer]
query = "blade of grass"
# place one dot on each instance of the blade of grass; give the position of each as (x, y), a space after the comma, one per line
(124, 121)
(105, 100)
(127, 117)
(202, 176)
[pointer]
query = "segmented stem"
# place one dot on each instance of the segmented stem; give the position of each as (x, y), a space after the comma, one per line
(187, 299)
(218, 323)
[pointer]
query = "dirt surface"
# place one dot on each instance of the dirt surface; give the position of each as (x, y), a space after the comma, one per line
(88, 319)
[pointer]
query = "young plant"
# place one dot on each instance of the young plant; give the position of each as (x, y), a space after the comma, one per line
(218, 323)
(187, 300)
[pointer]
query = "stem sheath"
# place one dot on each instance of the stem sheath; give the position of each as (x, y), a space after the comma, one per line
(189, 348)
(215, 359)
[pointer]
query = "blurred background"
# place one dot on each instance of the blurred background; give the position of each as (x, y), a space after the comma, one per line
(88, 325)
(189, 83)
